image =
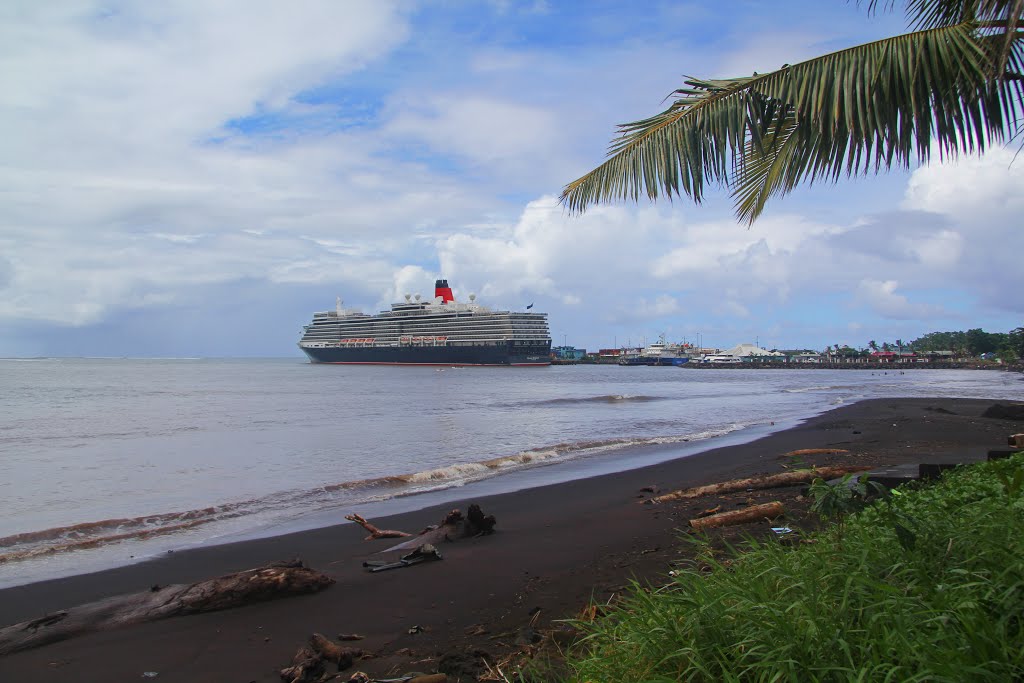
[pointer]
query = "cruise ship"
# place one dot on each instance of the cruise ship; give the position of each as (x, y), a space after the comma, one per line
(441, 331)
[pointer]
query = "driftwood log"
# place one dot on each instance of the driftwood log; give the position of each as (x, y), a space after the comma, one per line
(375, 533)
(817, 451)
(453, 527)
(767, 481)
(360, 677)
(224, 592)
(754, 513)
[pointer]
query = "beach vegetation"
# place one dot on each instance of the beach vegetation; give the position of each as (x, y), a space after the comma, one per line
(923, 585)
(972, 343)
(950, 86)
(1012, 347)
(852, 493)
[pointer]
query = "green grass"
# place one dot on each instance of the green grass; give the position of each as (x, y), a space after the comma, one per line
(926, 586)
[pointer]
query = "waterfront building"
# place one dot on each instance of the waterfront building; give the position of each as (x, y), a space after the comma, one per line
(568, 353)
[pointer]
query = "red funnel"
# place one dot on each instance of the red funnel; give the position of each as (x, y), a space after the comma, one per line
(441, 289)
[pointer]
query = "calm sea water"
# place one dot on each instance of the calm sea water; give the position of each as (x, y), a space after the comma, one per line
(108, 461)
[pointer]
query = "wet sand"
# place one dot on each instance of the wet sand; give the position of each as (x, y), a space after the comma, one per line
(556, 548)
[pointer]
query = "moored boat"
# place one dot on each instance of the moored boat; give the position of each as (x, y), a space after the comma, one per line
(658, 353)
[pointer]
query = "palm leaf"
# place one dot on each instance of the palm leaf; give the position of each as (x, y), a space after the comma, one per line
(1002, 17)
(853, 111)
(796, 156)
(768, 171)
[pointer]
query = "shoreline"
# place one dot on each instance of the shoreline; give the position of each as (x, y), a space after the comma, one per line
(556, 547)
(778, 365)
(636, 455)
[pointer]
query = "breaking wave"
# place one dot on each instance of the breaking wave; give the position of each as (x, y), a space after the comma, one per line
(608, 398)
(88, 535)
(804, 390)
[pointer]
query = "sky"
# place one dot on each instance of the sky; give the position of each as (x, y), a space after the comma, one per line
(192, 178)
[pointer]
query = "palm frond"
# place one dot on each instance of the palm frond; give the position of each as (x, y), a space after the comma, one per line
(925, 14)
(672, 152)
(804, 156)
(854, 111)
(766, 169)
(1002, 17)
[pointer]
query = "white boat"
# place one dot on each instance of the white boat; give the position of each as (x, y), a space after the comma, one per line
(662, 353)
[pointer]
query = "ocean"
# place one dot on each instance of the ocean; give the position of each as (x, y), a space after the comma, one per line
(110, 461)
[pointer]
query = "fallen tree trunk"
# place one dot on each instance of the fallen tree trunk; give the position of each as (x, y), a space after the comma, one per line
(767, 481)
(453, 527)
(224, 592)
(817, 451)
(375, 533)
(754, 513)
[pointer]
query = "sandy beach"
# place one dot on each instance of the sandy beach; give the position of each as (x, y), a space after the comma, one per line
(555, 549)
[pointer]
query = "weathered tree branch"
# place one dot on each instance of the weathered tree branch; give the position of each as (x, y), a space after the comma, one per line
(375, 533)
(454, 526)
(762, 482)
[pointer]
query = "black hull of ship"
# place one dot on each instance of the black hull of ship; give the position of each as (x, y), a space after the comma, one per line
(428, 355)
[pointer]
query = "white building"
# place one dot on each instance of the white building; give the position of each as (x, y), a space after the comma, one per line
(750, 351)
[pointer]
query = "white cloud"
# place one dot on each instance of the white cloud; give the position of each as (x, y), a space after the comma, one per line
(633, 264)
(764, 260)
(6, 273)
(761, 54)
(548, 251)
(972, 189)
(981, 199)
(733, 308)
(410, 280)
(118, 153)
(91, 81)
(177, 239)
(484, 130)
(660, 307)
(882, 298)
(940, 251)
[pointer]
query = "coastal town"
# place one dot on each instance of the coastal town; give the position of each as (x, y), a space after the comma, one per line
(974, 348)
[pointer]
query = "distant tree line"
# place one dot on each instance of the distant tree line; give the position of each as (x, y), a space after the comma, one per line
(1008, 346)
